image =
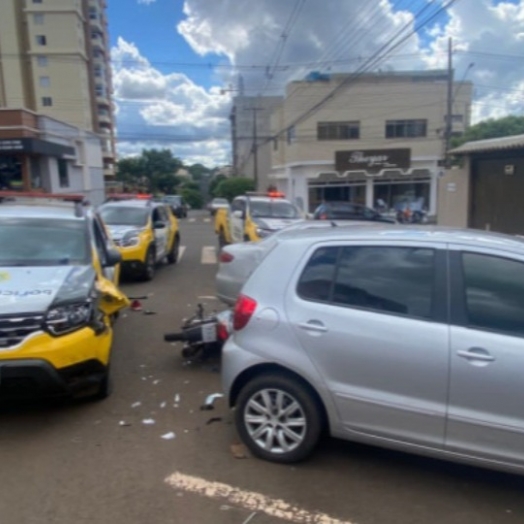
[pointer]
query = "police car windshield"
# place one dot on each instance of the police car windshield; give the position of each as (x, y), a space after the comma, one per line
(273, 210)
(43, 242)
(124, 216)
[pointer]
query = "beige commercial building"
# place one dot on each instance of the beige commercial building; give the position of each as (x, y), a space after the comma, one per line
(378, 141)
(54, 60)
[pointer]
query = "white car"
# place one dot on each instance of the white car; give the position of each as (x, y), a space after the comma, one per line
(217, 203)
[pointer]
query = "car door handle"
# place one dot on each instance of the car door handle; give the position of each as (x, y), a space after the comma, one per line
(476, 354)
(313, 325)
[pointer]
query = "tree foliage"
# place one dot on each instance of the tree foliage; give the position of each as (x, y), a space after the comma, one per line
(153, 171)
(198, 171)
(232, 187)
(192, 197)
(492, 128)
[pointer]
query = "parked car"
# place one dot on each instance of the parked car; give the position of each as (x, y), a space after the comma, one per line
(408, 338)
(238, 261)
(348, 211)
(178, 205)
(216, 204)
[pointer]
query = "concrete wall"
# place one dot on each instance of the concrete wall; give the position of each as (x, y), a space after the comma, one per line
(453, 197)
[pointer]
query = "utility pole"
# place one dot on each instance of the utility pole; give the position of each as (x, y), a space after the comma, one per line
(449, 111)
(254, 148)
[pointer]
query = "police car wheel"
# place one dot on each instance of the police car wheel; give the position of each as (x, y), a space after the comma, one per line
(105, 388)
(149, 265)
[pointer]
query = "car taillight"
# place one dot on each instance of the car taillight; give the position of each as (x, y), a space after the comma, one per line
(244, 309)
(222, 332)
(225, 257)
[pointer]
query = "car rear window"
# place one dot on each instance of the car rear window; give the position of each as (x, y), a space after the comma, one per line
(396, 280)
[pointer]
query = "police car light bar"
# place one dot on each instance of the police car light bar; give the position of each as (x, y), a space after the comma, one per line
(270, 194)
(35, 196)
(113, 197)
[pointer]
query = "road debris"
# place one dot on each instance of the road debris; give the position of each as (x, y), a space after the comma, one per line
(163, 405)
(136, 404)
(238, 451)
(177, 399)
(124, 423)
(149, 312)
(136, 305)
(168, 436)
(155, 382)
(148, 421)
(250, 518)
(213, 419)
(210, 401)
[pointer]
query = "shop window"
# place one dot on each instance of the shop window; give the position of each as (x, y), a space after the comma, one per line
(391, 197)
(41, 40)
(63, 173)
(338, 130)
(406, 128)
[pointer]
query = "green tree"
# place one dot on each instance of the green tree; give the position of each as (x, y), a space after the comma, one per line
(492, 128)
(192, 196)
(232, 187)
(214, 183)
(154, 171)
(198, 171)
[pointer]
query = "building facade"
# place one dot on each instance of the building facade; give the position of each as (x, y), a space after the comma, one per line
(54, 60)
(250, 128)
(378, 142)
(39, 153)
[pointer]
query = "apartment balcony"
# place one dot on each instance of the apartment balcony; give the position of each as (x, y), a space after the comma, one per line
(103, 100)
(105, 119)
(109, 157)
(109, 171)
(96, 24)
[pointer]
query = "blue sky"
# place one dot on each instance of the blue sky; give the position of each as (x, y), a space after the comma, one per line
(167, 83)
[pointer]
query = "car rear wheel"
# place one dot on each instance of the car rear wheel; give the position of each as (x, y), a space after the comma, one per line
(172, 256)
(278, 419)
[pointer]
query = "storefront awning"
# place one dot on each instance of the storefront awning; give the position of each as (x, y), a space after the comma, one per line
(34, 146)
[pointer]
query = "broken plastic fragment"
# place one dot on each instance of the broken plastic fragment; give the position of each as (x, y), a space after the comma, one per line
(177, 398)
(136, 404)
(124, 423)
(210, 401)
(168, 436)
(155, 382)
(148, 421)
(163, 404)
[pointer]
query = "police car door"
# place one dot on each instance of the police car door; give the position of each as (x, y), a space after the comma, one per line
(237, 219)
(161, 233)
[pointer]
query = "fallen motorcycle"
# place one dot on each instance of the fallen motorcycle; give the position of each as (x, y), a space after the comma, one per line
(203, 335)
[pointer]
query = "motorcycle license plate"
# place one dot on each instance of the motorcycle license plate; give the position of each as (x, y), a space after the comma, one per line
(209, 333)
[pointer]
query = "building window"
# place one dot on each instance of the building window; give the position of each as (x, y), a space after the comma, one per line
(38, 18)
(99, 90)
(63, 175)
(44, 81)
(93, 13)
(99, 72)
(406, 128)
(41, 40)
(42, 61)
(47, 101)
(338, 130)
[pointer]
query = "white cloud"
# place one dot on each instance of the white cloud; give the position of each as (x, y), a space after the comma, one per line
(146, 2)
(167, 110)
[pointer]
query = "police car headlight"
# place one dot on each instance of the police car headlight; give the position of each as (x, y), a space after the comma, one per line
(263, 233)
(66, 319)
(131, 239)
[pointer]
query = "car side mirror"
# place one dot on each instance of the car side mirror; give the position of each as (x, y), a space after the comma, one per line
(238, 214)
(159, 225)
(113, 257)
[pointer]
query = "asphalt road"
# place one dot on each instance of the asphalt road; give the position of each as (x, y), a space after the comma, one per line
(75, 463)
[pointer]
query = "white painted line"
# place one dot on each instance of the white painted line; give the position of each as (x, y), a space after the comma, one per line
(207, 220)
(249, 500)
(191, 219)
(209, 255)
(207, 297)
(181, 252)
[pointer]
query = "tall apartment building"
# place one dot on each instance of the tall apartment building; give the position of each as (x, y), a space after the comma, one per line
(54, 60)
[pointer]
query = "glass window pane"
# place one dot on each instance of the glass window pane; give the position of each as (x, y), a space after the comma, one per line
(387, 279)
(494, 293)
(317, 277)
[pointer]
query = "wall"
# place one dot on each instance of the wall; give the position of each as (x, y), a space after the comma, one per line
(453, 197)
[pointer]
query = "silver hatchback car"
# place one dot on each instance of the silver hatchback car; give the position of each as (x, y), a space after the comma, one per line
(409, 338)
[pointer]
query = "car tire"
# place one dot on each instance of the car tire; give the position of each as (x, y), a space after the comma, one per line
(278, 446)
(172, 256)
(105, 387)
(149, 269)
(221, 239)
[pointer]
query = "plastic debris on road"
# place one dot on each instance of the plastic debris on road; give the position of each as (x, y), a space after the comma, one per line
(148, 421)
(155, 382)
(124, 423)
(177, 398)
(163, 404)
(136, 404)
(136, 305)
(238, 451)
(168, 436)
(210, 401)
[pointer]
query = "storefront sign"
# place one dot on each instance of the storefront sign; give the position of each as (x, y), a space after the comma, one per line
(372, 160)
(34, 146)
(11, 145)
